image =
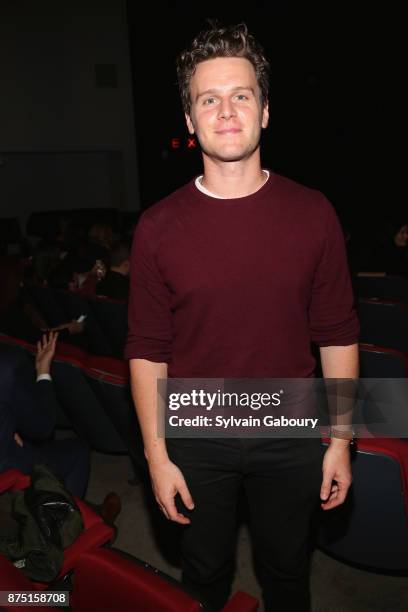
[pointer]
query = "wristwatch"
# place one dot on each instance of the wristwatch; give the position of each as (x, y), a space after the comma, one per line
(343, 434)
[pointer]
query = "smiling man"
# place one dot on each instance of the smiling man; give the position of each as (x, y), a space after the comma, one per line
(233, 276)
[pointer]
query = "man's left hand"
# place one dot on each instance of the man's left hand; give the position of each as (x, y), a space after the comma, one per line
(336, 474)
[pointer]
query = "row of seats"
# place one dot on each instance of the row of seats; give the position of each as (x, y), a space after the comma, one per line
(371, 529)
(383, 323)
(106, 579)
(381, 287)
(94, 395)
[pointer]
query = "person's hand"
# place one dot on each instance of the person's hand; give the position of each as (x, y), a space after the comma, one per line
(167, 481)
(75, 327)
(57, 328)
(18, 440)
(336, 475)
(45, 352)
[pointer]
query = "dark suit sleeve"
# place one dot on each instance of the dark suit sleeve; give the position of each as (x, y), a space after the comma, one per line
(34, 404)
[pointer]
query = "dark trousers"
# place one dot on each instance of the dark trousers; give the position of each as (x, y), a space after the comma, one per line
(281, 479)
(69, 459)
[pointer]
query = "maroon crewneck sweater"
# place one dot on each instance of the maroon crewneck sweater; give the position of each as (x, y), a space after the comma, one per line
(239, 287)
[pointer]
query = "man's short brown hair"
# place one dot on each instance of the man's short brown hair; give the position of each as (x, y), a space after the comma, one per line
(220, 41)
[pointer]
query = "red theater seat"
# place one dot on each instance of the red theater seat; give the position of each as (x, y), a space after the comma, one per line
(96, 532)
(12, 579)
(108, 581)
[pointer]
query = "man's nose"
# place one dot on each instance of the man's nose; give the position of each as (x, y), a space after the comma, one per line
(226, 109)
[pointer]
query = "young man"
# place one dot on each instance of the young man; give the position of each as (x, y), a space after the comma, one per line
(233, 276)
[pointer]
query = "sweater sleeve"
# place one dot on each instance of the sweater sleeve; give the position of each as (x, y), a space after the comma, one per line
(332, 316)
(149, 312)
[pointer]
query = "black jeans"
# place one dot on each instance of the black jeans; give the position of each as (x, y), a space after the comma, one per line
(281, 479)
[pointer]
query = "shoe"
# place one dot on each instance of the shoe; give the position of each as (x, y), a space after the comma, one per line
(110, 508)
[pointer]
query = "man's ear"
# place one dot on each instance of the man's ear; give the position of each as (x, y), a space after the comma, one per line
(265, 115)
(190, 125)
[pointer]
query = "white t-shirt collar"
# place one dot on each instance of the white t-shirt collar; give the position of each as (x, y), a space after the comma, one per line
(201, 188)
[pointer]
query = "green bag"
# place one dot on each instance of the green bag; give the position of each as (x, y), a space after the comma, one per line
(46, 520)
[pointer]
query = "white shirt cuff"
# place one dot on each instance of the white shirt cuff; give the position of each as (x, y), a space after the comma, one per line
(43, 377)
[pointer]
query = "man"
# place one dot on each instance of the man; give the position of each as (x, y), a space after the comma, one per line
(115, 285)
(233, 276)
(28, 412)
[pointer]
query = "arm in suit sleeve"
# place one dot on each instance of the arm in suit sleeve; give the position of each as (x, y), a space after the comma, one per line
(34, 404)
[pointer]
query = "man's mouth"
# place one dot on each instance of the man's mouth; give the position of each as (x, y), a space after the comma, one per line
(228, 131)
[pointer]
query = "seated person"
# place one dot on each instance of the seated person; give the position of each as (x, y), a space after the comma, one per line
(87, 272)
(28, 416)
(19, 316)
(100, 240)
(115, 285)
(391, 256)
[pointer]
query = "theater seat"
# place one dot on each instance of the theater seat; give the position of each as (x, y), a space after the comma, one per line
(384, 323)
(109, 379)
(381, 362)
(12, 579)
(371, 528)
(382, 287)
(96, 532)
(112, 317)
(108, 581)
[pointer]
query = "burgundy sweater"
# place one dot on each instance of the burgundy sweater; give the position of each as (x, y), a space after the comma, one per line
(239, 287)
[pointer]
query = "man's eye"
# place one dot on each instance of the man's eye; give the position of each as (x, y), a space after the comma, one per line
(209, 101)
(241, 97)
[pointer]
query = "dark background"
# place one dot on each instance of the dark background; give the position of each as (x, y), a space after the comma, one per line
(333, 96)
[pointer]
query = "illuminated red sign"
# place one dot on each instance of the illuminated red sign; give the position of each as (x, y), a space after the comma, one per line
(184, 143)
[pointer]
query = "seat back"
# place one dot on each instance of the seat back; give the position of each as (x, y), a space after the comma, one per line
(382, 287)
(109, 580)
(381, 362)
(83, 407)
(385, 390)
(371, 527)
(112, 317)
(13, 580)
(384, 324)
(109, 379)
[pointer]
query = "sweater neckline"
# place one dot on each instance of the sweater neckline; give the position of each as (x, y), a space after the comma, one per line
(244, 200)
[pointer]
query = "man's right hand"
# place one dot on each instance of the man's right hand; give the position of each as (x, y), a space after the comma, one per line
(167, 481)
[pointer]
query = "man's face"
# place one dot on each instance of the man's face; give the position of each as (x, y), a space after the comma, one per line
(226, 112)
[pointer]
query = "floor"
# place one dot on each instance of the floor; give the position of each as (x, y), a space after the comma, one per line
(335, 586)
